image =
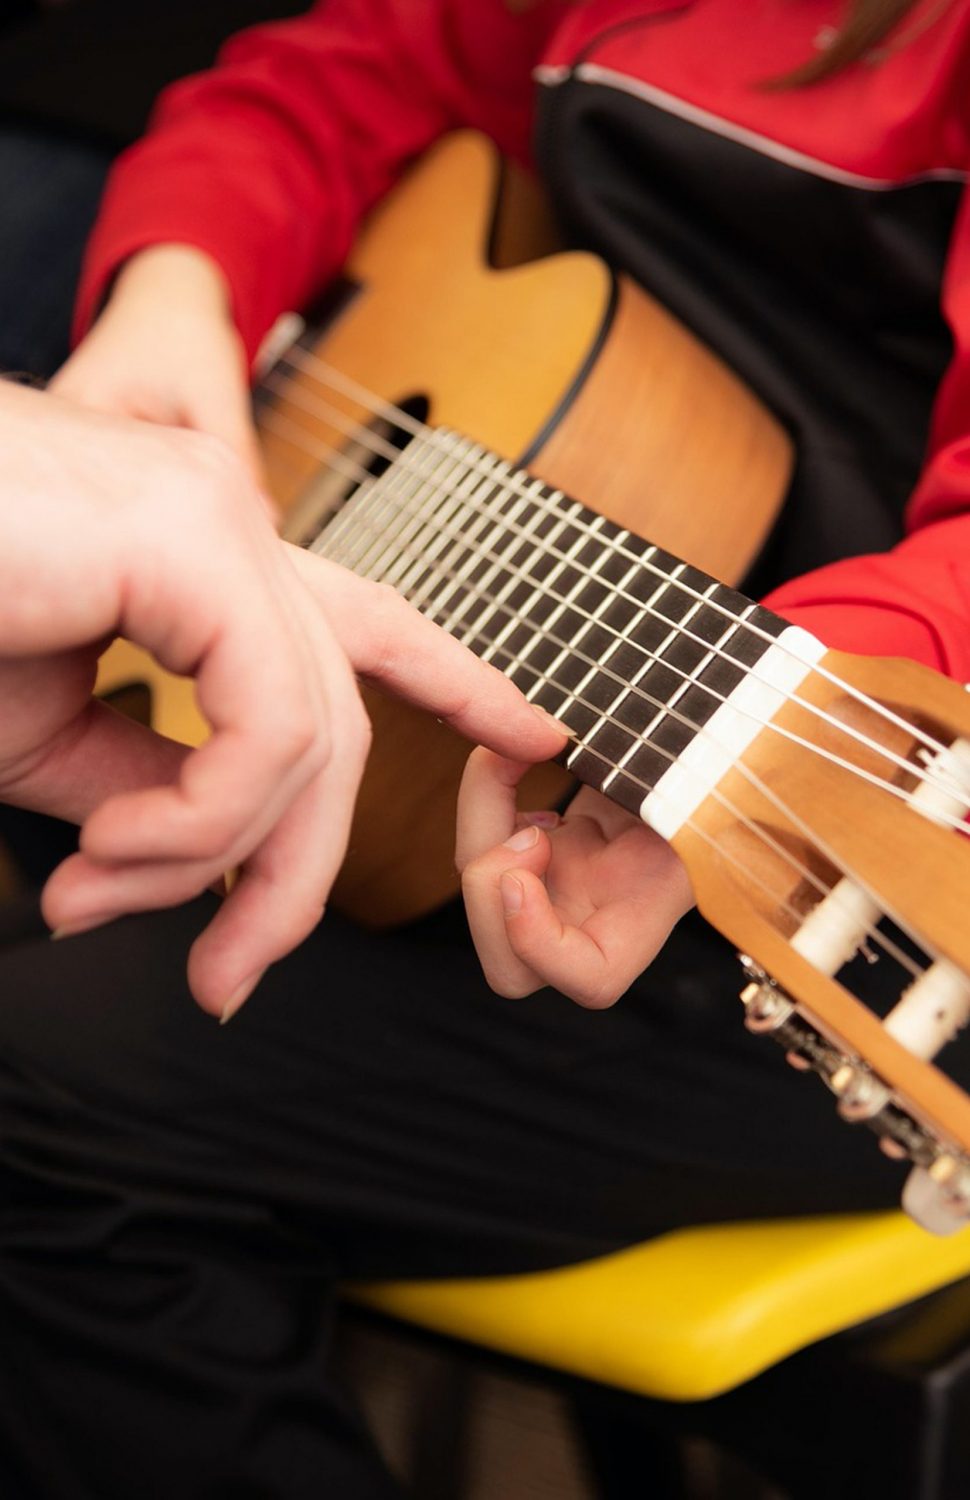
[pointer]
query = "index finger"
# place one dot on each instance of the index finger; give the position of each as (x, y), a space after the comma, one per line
(391, 643)
(236, 785)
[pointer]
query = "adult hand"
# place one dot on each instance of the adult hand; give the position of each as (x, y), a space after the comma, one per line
(583, 902)
(165, 349)
(114, 527)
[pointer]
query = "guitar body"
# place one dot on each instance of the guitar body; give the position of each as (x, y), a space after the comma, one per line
(548, 360)
(598, 387)
(818, 800)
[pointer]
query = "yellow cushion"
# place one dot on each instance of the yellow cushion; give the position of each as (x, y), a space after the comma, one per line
(696, 1312)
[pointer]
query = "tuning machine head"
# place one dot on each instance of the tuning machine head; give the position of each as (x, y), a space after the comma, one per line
(937, 1191)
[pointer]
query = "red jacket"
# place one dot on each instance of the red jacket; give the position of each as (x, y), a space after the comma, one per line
(820, 238)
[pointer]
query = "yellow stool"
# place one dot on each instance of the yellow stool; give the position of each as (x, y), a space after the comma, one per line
(703, 1311)
(692, 1313)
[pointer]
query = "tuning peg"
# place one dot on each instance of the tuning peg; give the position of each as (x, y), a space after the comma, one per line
(938, 1197)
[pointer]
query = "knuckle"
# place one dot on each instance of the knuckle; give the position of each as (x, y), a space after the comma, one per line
(513, 988)
(387, 611)
(599, 995)
(217, 838)
(364, 735)
(306, 914)
(296, 737)
(387, 604)
(213, 476)
(357, 721)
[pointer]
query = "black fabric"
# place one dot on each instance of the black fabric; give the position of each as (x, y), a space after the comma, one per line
(822, 296)
(93, 68)
(179, 1199)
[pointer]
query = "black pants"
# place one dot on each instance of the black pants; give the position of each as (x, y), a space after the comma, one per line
(179, 1199)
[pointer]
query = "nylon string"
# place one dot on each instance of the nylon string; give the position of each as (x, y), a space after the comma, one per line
(461, 457)
(638, 737)
(306, 360)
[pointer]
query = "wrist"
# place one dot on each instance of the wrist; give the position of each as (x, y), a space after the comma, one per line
(174, 275)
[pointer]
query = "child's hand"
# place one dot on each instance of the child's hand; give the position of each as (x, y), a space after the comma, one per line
(165, 349)
(582, 902)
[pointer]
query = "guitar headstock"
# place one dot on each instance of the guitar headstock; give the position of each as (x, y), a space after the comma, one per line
(834, 854)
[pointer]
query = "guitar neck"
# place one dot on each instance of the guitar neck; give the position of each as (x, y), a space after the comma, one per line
(662, 674)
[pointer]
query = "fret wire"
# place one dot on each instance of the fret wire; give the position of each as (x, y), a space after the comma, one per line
(888, 947)
(302, 358)
(358, 505)
(638, 675)
(575, 642)
(357, 517)
(470, 490)
(623, 638)
(480, 495)
(649, 660)
(769, 724)
(757, 632)
(800, 868)
(438, 438)
(562, 601)
(436, 498)
(501, 572)
(690, 681)
(623, 635)
(491, 539)
(494, 545)
(443, 520)
(449, 585)
(591, 529)
(344, 520)
(652, 657)
(555, 498)
(519, 575)
(621, 764)
(407, 489)
(540, 635)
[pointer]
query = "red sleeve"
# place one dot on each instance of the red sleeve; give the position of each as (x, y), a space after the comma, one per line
(915, 600)
(269, 161)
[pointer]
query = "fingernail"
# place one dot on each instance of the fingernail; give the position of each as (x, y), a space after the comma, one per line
(239, 997)
(512, 894)
(542, 819)
(83, 924)
(524, 839)
(553, 723)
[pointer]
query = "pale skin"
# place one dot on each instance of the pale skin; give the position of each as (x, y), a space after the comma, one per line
(115, 527)
(586, 905)
(583, 902)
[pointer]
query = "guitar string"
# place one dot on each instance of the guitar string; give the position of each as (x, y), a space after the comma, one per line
(920, 773)
(626, 686)
(636, 738)
(804, 872)
(306, 360)
(387, 450)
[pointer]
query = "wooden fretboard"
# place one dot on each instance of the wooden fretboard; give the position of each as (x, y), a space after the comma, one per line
(630, 647)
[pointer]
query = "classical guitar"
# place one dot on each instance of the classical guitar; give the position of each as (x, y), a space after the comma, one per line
(494, 429)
